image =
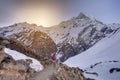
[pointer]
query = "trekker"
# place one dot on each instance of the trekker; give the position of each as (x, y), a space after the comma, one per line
(56, 57)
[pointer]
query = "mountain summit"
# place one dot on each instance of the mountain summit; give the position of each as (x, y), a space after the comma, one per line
(85, 16)
(78, 34)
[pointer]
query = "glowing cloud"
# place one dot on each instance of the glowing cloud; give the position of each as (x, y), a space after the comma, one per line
(40, 15)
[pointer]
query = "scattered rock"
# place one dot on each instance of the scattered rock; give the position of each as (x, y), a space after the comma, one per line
(67, 73)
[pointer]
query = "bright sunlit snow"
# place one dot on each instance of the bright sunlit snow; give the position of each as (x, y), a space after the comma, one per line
(36, 65)
(104, 52)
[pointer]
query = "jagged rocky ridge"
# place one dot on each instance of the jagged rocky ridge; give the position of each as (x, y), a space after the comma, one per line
(29, 36)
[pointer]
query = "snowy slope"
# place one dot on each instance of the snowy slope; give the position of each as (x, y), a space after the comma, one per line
(78, 34)
(68, 31)
(36, 65)
(98, 60)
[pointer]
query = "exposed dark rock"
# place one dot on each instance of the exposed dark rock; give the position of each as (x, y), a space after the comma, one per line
(83, 16)
(92, 66)
(67, 73)
(114, 69)
(93, 73)
(90, 79)
(67, 51)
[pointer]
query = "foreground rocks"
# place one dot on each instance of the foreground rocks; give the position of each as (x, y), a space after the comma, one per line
(20, 47)
(67, 73)
(60, 72)
(13, 70)
(20, 70)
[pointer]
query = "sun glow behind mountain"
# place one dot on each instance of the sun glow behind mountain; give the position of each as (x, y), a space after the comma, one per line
(44, 16)
(46, 13)
(52, 12)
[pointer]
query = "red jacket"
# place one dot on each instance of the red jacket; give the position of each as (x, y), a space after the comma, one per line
(54, 56)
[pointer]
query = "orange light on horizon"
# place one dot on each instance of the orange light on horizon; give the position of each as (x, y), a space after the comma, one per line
(41, 16)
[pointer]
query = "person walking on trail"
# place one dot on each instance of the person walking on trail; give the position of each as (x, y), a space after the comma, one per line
(56, 57)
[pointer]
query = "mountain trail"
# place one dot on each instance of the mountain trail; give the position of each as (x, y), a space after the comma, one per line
(45, 74)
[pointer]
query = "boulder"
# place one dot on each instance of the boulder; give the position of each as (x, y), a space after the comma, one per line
(13, 70)
(67, 73)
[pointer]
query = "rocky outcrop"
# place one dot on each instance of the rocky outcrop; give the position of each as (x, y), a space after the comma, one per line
(30, 36)
(67, 73)
(20, 47)
(13, 70)
(60, 72)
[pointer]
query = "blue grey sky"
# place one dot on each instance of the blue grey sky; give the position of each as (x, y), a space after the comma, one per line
(52, 12)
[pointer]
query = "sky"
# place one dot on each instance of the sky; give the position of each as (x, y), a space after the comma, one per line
(52, 12)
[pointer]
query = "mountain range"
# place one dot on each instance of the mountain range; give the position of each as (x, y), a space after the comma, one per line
(93, 44)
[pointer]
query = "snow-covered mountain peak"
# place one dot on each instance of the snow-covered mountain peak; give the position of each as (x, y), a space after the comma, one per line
(69, 31)
(85, 16)
(78, 21)
(79, 32)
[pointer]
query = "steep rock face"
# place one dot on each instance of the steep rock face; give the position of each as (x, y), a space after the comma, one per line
(30, 36)
(79, 33)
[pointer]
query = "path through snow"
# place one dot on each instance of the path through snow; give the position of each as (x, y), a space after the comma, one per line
(45, 74)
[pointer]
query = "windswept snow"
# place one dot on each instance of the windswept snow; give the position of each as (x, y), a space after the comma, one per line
(105, 54)
(36, 65)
